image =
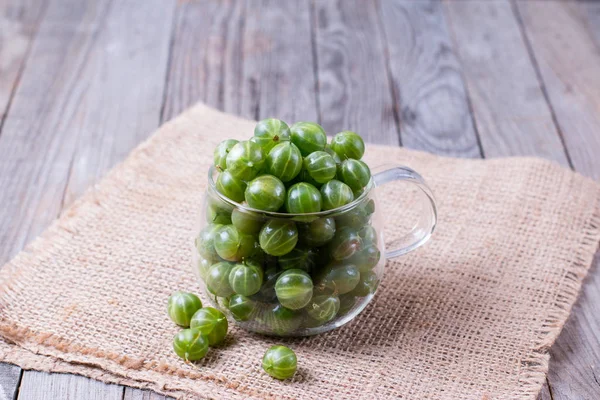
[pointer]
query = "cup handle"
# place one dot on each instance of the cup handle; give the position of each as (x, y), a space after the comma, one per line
(423, 229)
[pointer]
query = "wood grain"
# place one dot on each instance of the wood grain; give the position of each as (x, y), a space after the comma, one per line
(510, 109)
(206, 57)
(590, 12)
(427, 80)
(278, 78)
(568, 61)
(354, 87)
(136, 394)
(40, 385)
(112, 121)
(568, 56)
(19, 20)
(70, 119)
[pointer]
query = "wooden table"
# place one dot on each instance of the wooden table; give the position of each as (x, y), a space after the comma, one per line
(83, 82)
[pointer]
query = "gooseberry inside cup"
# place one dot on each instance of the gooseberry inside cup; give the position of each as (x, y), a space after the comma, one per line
(301, 274)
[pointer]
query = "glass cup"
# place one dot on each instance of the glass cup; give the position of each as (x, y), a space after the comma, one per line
(302, 274)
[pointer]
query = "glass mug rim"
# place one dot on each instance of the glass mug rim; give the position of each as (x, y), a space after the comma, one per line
(275, 214)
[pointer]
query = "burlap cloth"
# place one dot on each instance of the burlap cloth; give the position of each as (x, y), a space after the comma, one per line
(470, 315)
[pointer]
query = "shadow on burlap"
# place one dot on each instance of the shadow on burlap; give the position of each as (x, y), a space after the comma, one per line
(471, 314)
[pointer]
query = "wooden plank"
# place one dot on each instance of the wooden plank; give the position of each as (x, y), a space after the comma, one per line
(125, 76)
(19, 20)
(33, 186)
(427, 80)
(206, 58)
(564, 41)
(590, 12)
(512, 115)
(67, 96)
(136, 394)
(481, 28)
(40, 385)
(354, 88)
(279, 79)
(568, 61)
(18, 24)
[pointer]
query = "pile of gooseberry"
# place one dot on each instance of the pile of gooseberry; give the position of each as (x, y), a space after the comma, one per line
(204, 326)
(208, 327)
(288, 247)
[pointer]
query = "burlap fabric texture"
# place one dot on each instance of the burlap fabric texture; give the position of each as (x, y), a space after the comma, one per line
(469, 315)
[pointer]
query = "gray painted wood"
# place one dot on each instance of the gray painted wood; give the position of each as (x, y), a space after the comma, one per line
(510, 109)
(206, 57)
(19, 22)
(568, 61)
(136, 394)
(508, 84)
(70, 110)
(427, 80)
(40, 385)
(279, 78)
(568, 58)
(354, 88)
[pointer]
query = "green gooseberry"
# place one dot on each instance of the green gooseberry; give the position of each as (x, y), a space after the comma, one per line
(368, 235)
(369, 207)
(355, 173)
(348, 144)
(182, 306)
(323, 308)
(217, 215)
(270, 132)
(246, 222)
(308, 137)
(318, 232)
(355, 218)
(284, 161)
(304, 176)
(241, 307)
(278, 237)
(205, 242)
(282, 320)
(245, 160)
(367, 258)
(298, 258)
(212, 323)
(190, 344)
(335, 194)
(303, 198)
(221, 152)
(294, 289)
(320, 166)
(258, 256)
(230, 186)
(345, 244)
(338, 278)
(232, 245)
(333, 154)
(367, 284)
(266, 193)
(347, 302)
(267, 294)
(246, 279)
(201, 267)
(280, 362)
(217, 279)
